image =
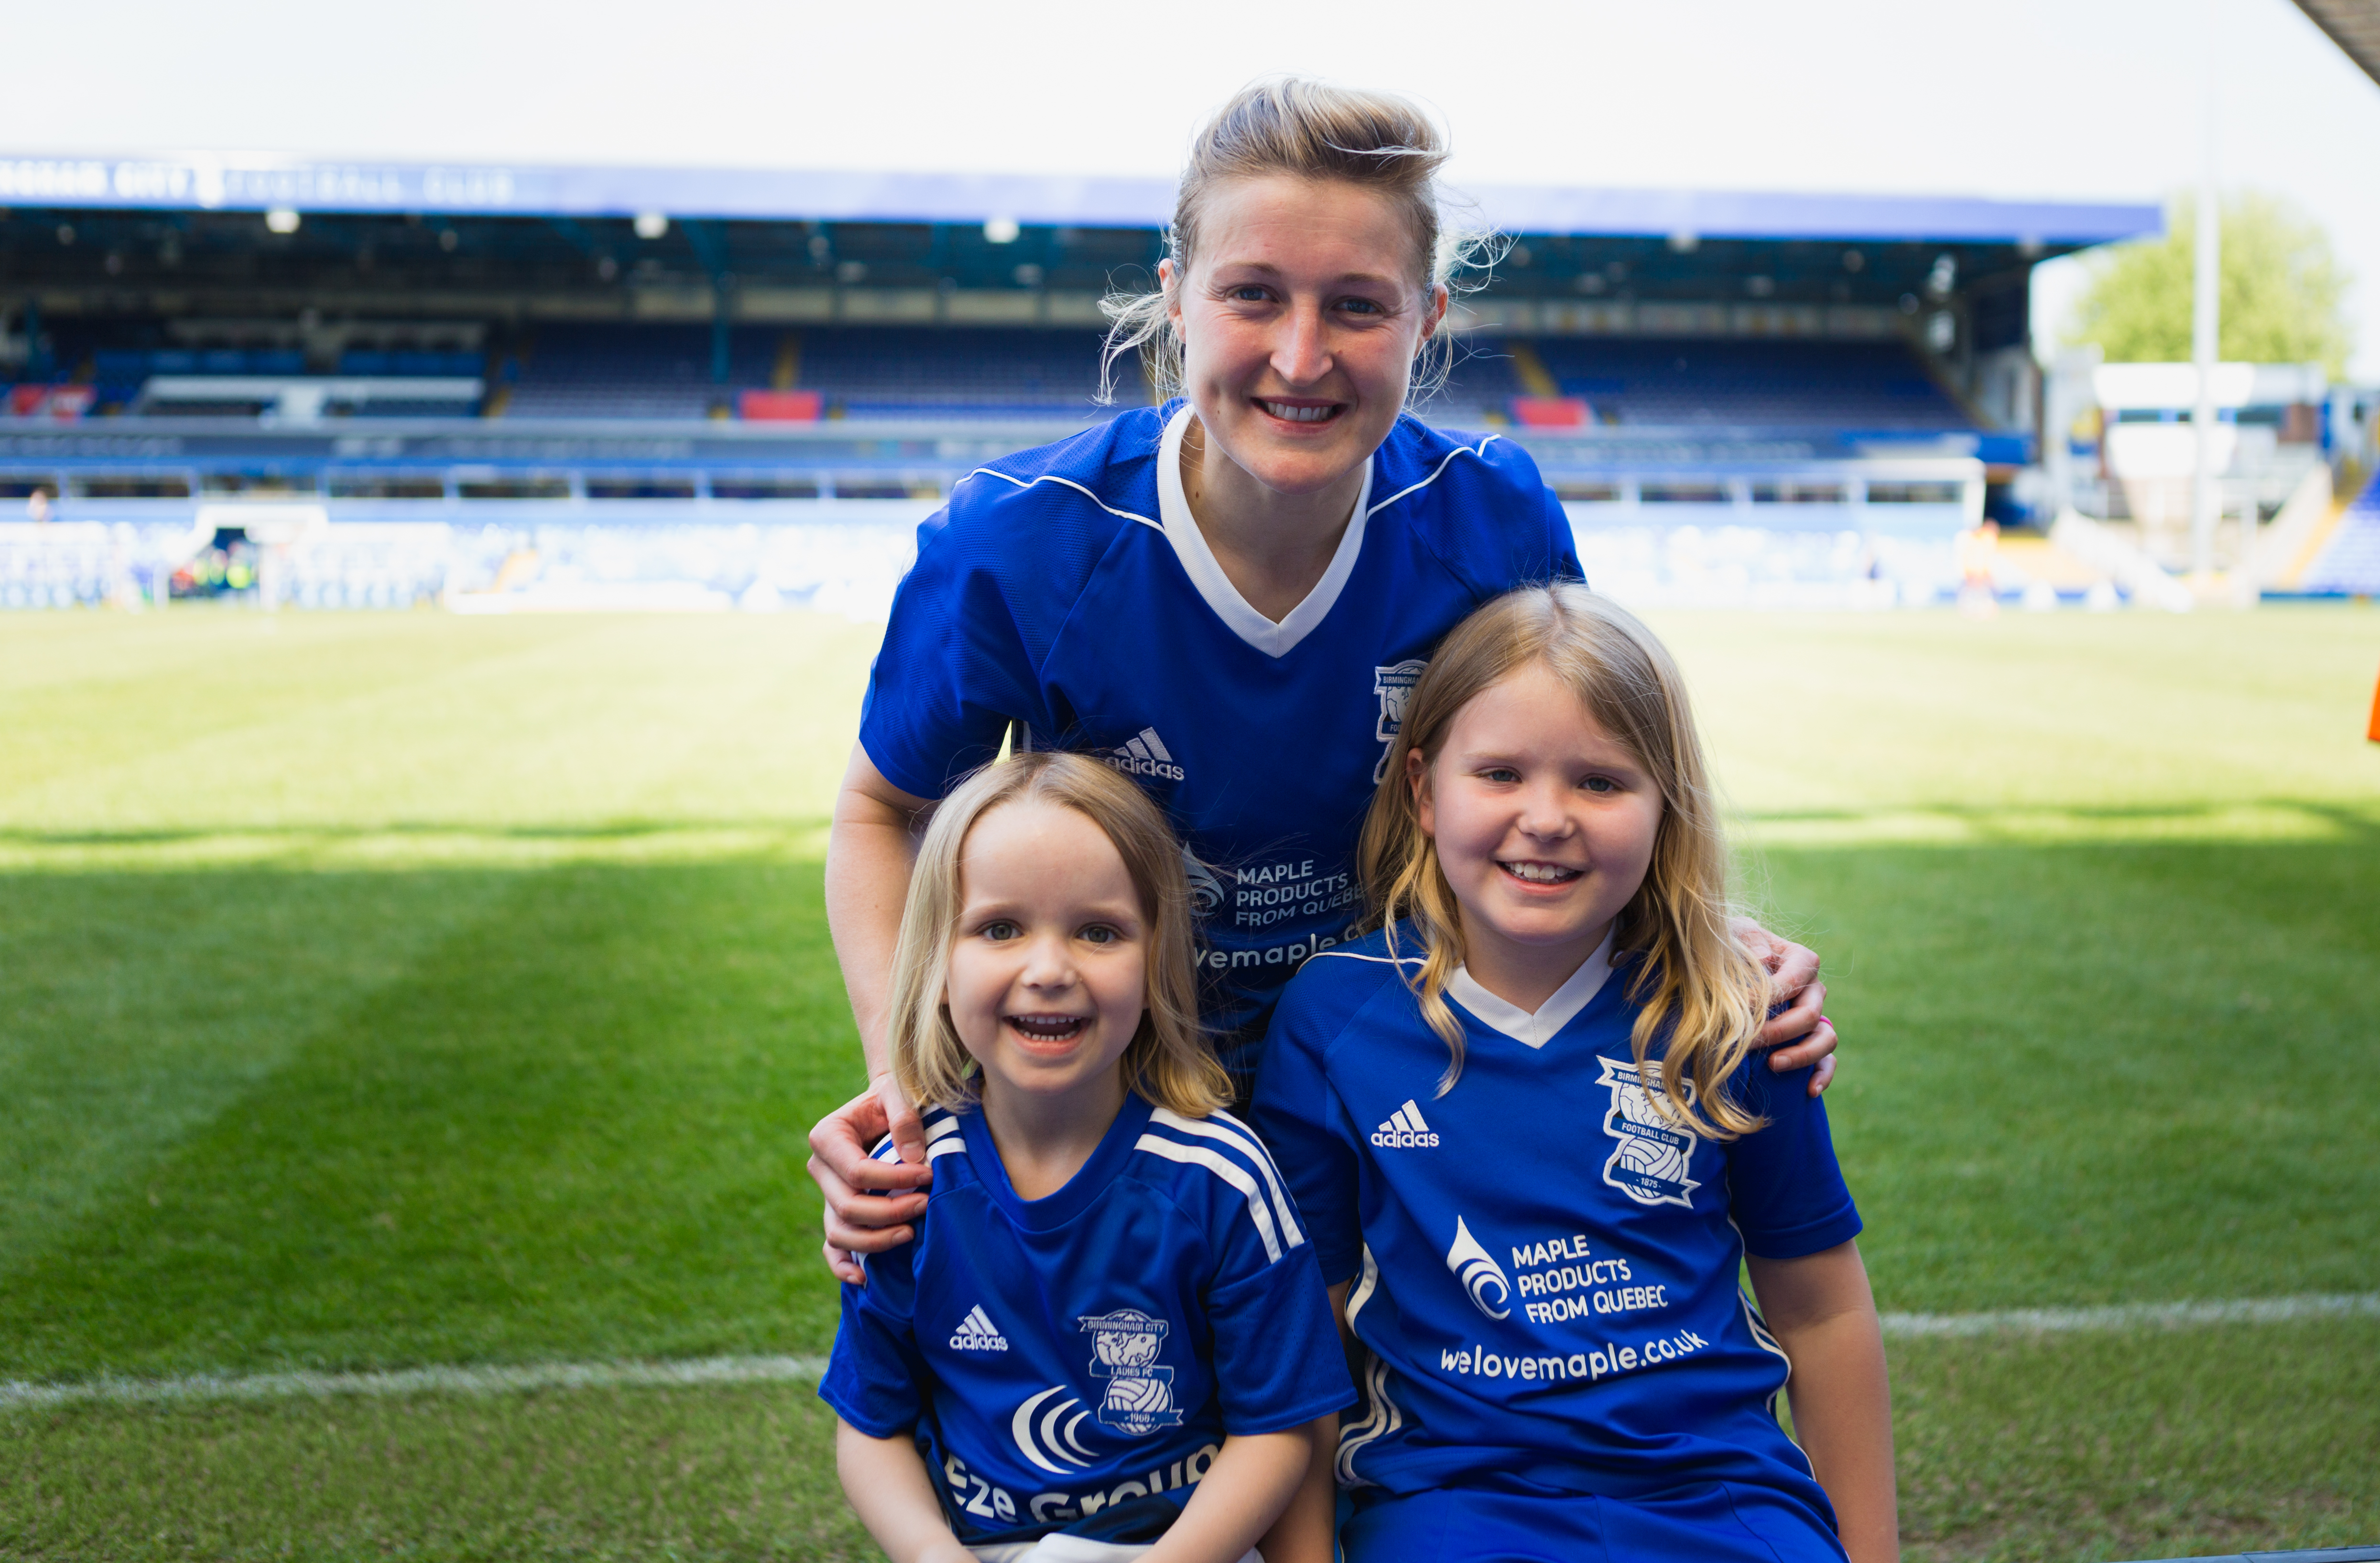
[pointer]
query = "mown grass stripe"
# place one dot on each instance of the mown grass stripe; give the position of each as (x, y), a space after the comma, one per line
(488, 1380)
(2136, 1315)
(501, 1380)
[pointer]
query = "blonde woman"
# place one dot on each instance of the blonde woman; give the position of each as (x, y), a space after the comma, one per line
(1226, 598)
(1110, 1338)
(1523, 1124)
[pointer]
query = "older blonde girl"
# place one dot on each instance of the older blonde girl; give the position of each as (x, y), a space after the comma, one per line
(1522, 1119)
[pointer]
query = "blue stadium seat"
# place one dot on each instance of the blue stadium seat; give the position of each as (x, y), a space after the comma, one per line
(1732, 382)
(626, 370)
(2349, 562)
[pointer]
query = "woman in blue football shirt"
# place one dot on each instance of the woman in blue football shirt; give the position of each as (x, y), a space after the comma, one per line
(1227, 598)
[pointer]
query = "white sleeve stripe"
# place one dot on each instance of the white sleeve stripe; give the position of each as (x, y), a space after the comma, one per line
(1458, 450)
(1069, 482)
(941, 1127)
(1381, 1416)
(1242, 1139)
(1751, 1313)
(953, 1146)
(1231, 1172)
(1365, 1284)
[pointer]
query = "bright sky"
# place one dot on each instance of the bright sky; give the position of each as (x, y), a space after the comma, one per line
(2044, 98)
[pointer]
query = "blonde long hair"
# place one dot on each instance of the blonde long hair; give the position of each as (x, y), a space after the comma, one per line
(1694, 983)
(1168, 1059)
(1310, 130)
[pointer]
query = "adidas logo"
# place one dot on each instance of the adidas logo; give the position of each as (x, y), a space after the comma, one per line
(1406, 1129)
(977, 1333)
(1143, 755)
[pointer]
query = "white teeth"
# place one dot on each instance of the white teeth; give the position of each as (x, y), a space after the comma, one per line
(1297, 415)
(1047, 1027)
(1541, 873)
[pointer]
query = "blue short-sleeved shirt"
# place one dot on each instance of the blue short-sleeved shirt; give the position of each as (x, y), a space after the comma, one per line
(1074, 1362)
(1545, 1271)
(1067, 591)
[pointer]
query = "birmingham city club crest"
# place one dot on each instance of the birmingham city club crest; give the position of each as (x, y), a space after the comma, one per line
(1649, 1163)
(1139, 1397)
(1394, 686)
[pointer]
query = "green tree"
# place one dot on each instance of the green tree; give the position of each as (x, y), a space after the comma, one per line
(2282, 290)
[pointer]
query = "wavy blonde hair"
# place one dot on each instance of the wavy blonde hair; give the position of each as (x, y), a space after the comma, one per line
(1310, 130)
(1168, 1059)
(1694, 983)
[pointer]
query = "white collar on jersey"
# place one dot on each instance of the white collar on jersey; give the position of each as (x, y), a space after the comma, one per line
(1536, 1030)
(1199, 560)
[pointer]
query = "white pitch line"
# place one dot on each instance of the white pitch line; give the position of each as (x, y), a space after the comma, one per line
(2134, 1315)
(802, 1370)
(490, 1380)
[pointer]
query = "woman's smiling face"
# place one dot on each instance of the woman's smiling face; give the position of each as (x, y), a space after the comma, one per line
(1300, 316)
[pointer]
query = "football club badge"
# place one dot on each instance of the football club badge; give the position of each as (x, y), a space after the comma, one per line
(1394, 686)
(1139, 1397)
(1650, 1161)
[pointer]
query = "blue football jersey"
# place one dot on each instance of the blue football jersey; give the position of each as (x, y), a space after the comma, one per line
(1067, 591)
(1074, 1362)
(1545, 1270)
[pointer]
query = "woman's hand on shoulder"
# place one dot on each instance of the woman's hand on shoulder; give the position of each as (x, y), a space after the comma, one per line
(870, 1204)
(1800, 1033)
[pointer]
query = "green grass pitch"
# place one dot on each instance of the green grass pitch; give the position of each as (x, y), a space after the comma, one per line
(387, 990)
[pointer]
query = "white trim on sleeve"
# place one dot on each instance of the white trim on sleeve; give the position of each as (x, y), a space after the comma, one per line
(1241, 1138)
(1231, 1172)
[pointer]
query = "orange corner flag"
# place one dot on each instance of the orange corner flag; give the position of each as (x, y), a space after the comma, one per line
(2372, 732)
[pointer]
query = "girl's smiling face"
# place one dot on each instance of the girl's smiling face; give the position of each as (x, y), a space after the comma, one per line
(1299, 317)
(1544, 824)
(1047, 968)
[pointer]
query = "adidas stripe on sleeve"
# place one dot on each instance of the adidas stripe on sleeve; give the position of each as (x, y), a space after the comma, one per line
(1260, 1306)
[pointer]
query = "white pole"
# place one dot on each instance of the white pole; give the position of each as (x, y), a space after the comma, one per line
(2206, 314)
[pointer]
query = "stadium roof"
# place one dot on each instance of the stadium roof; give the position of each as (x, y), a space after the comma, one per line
(234, 182)
(2353, 24)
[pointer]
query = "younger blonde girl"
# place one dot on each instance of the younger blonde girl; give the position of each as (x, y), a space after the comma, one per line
(1109, 1340)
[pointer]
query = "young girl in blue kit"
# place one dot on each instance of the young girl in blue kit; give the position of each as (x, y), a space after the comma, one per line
(1109, 1340)
(1532, 1153)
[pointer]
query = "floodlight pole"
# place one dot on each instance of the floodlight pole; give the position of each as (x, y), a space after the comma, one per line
(2206, 315)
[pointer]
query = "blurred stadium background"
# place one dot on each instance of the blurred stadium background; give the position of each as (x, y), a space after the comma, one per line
(503, 389)
(442, 995)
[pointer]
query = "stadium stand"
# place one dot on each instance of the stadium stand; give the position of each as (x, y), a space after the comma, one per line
(2349, 561)
(628, 371)
(1845, 385)
(910, 372)
(635, 371)
(1737, 397)
(907, 373)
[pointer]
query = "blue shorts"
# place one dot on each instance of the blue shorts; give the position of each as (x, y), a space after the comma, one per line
(1716, 1522)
